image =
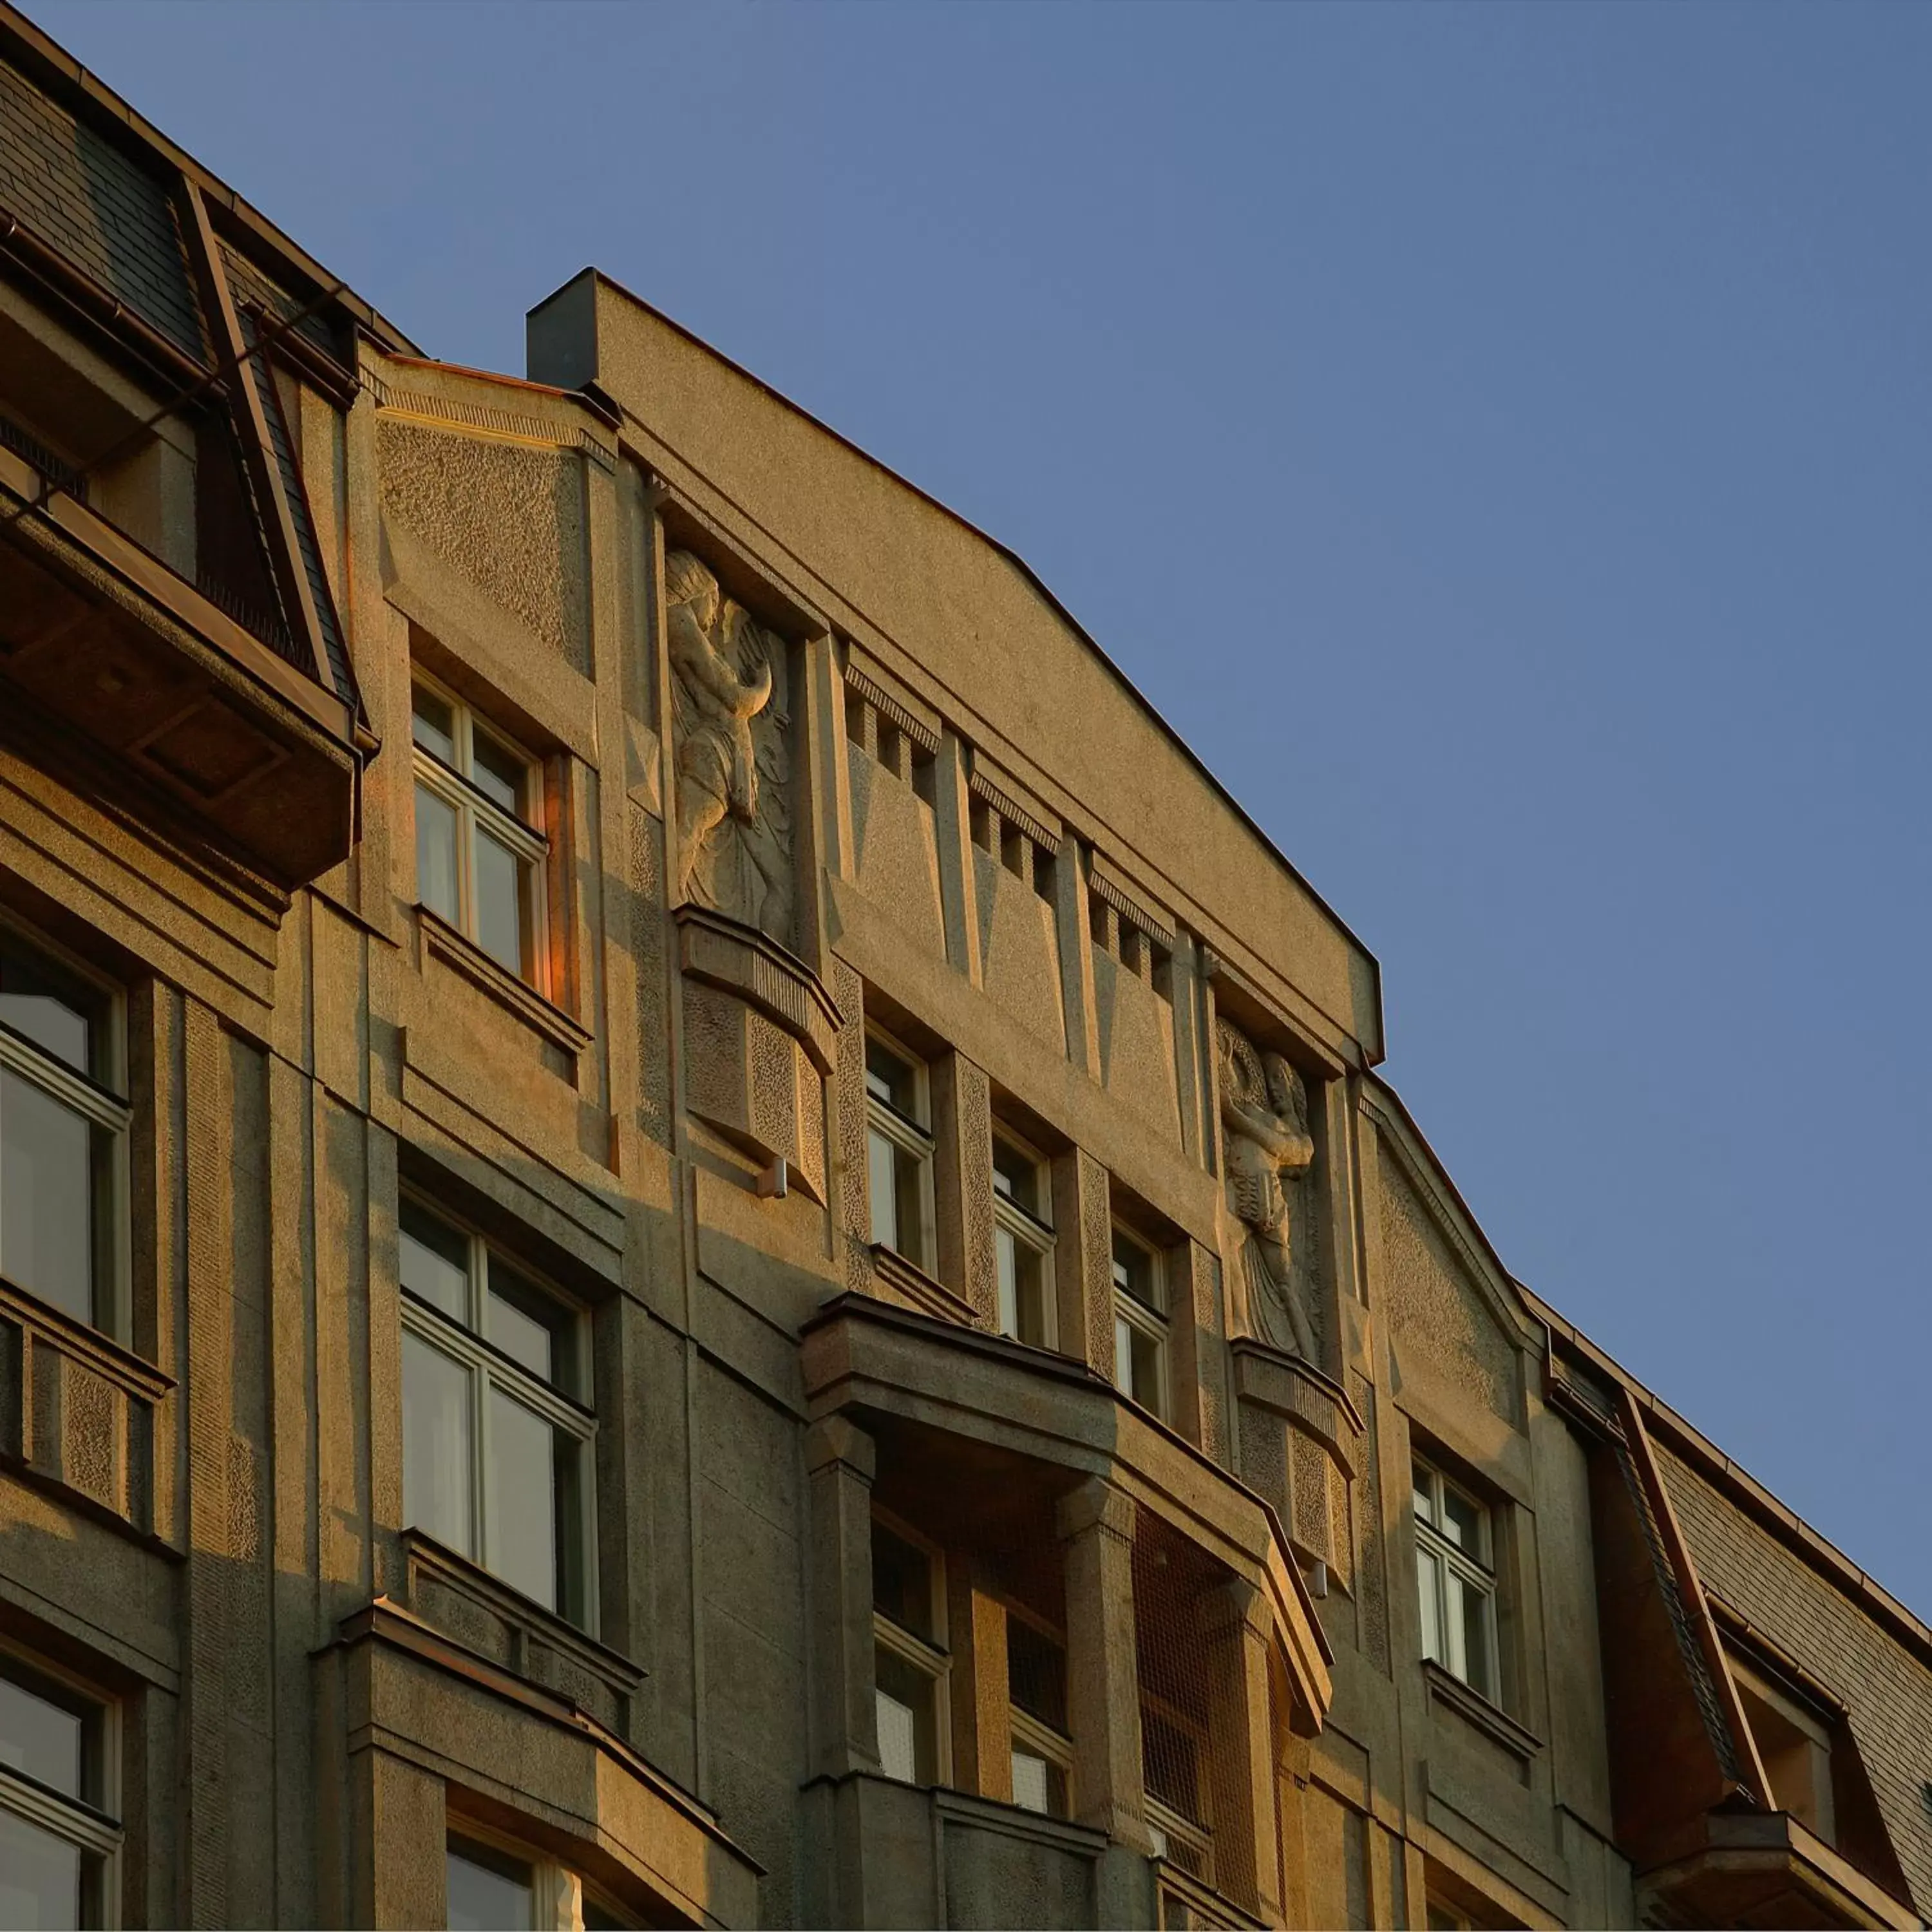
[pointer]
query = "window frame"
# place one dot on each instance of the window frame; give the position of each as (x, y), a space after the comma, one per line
(94, 1096)
(526, 838)
(1155, 1323)
(95, 1828)
(490, 1368)
(905, 1135)
(1026, 1229)
(931, 1657)
(1039, 1739)
(1478, 1572)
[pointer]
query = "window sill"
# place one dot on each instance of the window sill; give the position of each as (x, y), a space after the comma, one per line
(1475, 1709)
(467, 958)
(911, 1282)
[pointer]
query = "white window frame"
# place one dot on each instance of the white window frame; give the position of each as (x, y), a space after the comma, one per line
(1169, 1828)
(489, 1367)
(1155, 1323)
(1438, 1555)
(1027, 1230)
(98, 1832)
(525, 837)
(557, 1892)
(96, 1100)
(907, 1135)
(931, 1657)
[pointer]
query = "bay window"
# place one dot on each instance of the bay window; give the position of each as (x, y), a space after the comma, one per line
(63, 1127)
(497, 1434)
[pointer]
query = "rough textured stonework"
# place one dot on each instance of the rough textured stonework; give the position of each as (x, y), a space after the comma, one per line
(647, 955)
(1887, 1690)
(511, 519)
(1373, 1593)
(1435, 1310)
(852, 1233)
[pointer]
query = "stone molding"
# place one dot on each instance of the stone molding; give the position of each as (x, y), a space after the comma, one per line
(1302, 1396)
(866, 682)
(719, 952)
(912, 1284)
(1031, 817)
(1474, 1708)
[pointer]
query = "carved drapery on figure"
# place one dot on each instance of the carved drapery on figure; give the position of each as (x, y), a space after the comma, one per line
(1264, 1117)
(729, 702)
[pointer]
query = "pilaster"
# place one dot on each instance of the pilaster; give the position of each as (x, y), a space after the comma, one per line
(1234, 1624)
(840, 1463)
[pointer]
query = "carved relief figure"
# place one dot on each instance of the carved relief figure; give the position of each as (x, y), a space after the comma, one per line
(1264, 1114)
(728, 675)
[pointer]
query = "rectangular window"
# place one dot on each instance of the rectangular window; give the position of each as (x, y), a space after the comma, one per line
(1023, 1242)
(899, 1149)
(59, 1843)
(480, 846)
(909, 1661)
(498, 1437)
(1140, 1323)
(1456, 1580)
(489, 1887)
(63, 1129)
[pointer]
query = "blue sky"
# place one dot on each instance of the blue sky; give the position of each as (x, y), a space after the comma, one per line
(1499, 439)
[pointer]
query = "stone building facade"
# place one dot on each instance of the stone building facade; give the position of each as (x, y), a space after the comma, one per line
(691, 1234)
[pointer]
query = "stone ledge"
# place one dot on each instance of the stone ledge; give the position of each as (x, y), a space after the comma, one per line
(443, 941)
(912, 1282)
(1474, 1708)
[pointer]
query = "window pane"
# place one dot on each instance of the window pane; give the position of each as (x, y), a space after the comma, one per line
(46, 1196)
(489, 1892)
(1134, 1270)
(891, 1079)
(1031, 1296)
(1029, 1781)
(436, 1444)
(435, 854)
(907, 1733)
(909, 1205)
(1462, 1521)
(1036, 1673)
(902, 1582)
(521, 1499)
(1146, 1357)
(1455, 1623)
(497, 772)
(50, 1008)
(40, 1738)
(1124, 1354)
(1427, 1589)
(882, 1163)
(433, 725)
(530, 1326)
(1016, 1175)
(1476, 1607)
(1420, 1481)
(503, 904)
(1006, 1250)
(435, 1261)
(41, 1876)
(898, 1735)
